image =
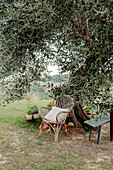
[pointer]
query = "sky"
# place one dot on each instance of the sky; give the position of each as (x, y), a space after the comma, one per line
(53, 69)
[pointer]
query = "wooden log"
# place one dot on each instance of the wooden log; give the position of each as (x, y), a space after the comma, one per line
(111, 124)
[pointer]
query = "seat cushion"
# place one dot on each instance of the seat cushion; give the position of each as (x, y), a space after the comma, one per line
(51, 116)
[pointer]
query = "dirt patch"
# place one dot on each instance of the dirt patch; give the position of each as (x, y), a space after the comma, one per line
(23, 149)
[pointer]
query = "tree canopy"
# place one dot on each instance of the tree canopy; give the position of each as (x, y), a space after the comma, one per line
(75, 34)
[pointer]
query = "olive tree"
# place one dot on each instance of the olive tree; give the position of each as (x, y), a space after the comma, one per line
(75, 34)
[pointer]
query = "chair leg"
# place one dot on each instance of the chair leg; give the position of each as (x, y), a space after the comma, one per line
(51, 127)
(65, 127)
(57, 132)
(40, 133)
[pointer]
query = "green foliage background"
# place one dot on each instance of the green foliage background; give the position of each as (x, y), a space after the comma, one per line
(75, 34)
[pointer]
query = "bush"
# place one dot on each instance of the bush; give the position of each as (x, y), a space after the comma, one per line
(87, 110)
(30, 125)
(32, 110)
(49, 104)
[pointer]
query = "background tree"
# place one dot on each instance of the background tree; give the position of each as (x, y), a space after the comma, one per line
(75, 34)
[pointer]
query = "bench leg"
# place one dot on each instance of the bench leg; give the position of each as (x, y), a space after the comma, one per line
(90, 134)
(99, 134)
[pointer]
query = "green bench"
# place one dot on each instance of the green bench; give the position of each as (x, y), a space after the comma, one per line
(97, 122)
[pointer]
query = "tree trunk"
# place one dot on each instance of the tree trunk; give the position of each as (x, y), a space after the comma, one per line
(78, 116)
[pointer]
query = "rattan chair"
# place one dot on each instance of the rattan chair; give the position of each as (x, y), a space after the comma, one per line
(56, 117)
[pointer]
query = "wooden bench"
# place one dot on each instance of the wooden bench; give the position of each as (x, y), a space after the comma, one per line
(97, 122)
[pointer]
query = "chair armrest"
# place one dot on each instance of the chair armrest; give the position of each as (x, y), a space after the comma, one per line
(44, 108)
(70, 109)
(60, 113)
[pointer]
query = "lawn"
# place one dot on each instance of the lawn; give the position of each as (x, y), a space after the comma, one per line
(22, 148)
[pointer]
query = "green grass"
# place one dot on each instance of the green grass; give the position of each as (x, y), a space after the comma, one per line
(22, 148)
(15, 112)
(107, 164)
(20, 107)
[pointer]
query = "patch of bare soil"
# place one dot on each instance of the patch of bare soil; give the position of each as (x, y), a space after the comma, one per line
(101, 155)
(22, 149)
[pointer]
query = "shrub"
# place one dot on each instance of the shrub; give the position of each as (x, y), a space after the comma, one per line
(49, 104)
(32, 110)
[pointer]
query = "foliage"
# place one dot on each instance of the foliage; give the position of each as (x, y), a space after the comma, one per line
(49, 104)
(30, 125)
(32, 110)
(75, 34)
(87, 110)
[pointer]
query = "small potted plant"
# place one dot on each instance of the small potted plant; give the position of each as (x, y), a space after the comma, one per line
(29, 115)
(32, 113)
(35, 112)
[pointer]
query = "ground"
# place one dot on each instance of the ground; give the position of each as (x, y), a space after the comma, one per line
(22, 148)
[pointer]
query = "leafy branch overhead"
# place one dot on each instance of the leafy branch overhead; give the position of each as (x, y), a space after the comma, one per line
(75, 34)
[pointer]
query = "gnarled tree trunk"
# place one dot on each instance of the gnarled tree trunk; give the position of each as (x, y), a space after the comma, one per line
(78, 116)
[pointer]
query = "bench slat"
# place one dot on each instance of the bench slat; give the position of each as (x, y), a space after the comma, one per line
(97, 121)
